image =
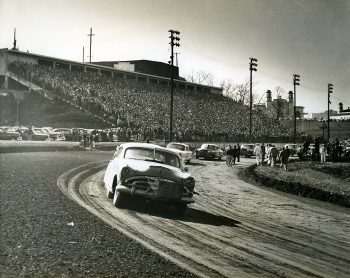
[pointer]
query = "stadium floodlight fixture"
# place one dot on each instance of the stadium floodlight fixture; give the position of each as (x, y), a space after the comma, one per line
(330, 88)
(253, 60)
(296, 79)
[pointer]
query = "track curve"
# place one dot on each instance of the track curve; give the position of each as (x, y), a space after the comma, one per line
(234, 229)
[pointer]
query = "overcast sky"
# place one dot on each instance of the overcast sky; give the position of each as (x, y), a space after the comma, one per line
(307, 37)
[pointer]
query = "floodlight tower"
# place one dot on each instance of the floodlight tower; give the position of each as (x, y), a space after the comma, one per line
(296, 80)
(330, 90)
(90, 35)
(174, 41)
(252, 67)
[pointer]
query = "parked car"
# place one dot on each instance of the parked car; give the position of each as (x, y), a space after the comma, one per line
(209, 151)
(247, 150)
(182, 150)
(149, 171)
(67, 133)
(292, 148)
(6, 134)
(39, 134)
(53, 135)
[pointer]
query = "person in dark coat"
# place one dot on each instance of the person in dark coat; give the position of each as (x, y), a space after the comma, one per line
(263, 153)
(85, 138)
(238, 152)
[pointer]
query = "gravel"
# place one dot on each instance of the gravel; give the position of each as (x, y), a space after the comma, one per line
(45, 234)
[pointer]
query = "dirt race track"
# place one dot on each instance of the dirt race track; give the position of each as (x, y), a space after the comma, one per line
(234, 229)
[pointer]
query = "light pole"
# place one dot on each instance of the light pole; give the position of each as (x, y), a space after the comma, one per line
(252, 67)
(296, 80)
(330, 90)
(90, 35)
(174, 41)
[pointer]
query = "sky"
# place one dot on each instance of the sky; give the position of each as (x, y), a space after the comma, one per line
(306, 37)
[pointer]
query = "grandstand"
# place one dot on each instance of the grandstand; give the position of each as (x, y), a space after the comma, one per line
(135, 101)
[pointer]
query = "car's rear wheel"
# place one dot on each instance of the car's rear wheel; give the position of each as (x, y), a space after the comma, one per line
(119, 199)
(180, 209)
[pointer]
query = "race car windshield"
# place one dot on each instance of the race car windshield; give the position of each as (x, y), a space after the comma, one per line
(158, 156)
(177, 146)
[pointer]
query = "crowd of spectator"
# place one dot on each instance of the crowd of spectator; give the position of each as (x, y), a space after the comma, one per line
(142, 109)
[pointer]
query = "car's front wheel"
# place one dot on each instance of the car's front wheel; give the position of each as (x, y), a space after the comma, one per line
(180, 209)
(109, 194)
(119, 199)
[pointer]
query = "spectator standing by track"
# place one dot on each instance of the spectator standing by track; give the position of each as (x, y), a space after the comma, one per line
(263, 153)
(323, 152)
(238, 152)
(306, 146)
(284, 157)
(229, 156)
(85, 138)
(268, 155)
(300, 152)
(235, 154)
(273, 154)
(30, 132)
(92, 140)
(258, 152)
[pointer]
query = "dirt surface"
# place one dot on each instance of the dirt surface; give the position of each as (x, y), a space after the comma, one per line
(45, 234)
(234, 229)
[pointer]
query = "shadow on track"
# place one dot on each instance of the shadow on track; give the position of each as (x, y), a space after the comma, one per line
(191, 215)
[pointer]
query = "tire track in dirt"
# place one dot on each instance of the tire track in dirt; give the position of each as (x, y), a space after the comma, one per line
(229, 231)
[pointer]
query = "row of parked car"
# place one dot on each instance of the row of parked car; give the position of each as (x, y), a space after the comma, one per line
(34, 133)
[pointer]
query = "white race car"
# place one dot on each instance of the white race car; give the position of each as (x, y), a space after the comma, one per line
(182, 149)
(149, 171)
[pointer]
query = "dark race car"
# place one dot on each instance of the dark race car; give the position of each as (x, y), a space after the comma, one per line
(209, 151)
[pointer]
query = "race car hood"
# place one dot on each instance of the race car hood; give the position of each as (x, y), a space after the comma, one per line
(154, 169)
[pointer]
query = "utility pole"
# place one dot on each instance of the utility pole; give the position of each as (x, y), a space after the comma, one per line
(252, 67)
(83, 55)
(90, 35)
(330, 90)
(176, 53)
(174, 39)
(296, 80)
(14, 40)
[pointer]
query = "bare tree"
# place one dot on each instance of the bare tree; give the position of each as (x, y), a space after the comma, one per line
(238, 92)
(201, 77)
(279, 91)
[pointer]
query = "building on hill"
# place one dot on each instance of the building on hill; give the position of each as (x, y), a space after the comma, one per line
(344, 114)
(143, 66)
(324, 115)
(282, 108)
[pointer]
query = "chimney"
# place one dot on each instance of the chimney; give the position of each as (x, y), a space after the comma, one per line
(268, 96)
(290, 96)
